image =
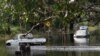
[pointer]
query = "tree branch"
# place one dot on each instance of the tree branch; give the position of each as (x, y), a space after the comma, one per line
(51, 17)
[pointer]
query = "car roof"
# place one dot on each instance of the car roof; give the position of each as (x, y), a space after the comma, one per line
(83, 27)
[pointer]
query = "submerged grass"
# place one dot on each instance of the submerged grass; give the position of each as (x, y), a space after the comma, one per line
(3, 51)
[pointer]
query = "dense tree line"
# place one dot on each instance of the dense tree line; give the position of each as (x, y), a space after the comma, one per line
(64, 14)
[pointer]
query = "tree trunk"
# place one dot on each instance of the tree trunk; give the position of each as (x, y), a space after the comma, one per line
(71, 29)
(8, 31)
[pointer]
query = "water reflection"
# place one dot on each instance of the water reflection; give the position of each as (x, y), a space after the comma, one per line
(73, 54)
(31, 53)
(64, 53)
(81, 44)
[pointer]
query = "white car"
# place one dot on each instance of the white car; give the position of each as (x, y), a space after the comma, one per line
(14, 45)
(81, 36)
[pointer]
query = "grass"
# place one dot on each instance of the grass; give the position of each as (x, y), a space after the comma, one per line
(3, 51)
(92, 28)
(94, 34)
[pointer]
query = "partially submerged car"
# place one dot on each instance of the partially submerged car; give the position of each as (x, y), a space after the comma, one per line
(21, 40)
(81, 35)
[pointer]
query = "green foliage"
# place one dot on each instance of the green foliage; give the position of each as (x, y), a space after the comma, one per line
(20, 12)
(57, 23)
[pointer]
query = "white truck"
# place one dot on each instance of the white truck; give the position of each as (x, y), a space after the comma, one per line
(14, 45)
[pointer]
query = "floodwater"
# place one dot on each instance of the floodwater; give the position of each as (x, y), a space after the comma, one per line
(60, 42)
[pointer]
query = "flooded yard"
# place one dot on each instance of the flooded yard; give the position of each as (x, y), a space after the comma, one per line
(57, 48)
